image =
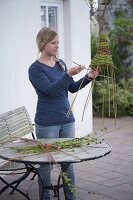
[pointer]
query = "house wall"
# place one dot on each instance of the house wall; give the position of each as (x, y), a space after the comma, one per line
(77, 48)
(20, 22)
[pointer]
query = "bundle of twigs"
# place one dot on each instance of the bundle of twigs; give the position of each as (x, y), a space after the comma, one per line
(39, 147)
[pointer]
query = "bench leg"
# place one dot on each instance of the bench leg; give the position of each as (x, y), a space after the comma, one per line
(16, 183)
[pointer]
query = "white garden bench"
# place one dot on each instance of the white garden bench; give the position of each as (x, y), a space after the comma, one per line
(13, 125)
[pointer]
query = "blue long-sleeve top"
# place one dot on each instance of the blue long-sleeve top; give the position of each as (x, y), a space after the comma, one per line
(52, 85)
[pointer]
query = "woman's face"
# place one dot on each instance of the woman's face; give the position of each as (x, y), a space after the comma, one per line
(51, 48)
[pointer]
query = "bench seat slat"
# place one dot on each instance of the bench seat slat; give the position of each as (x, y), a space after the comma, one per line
(17, 117)
(15, 124)
(20, 133)
(19, 126)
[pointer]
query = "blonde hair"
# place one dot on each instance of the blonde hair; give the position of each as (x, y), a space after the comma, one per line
(44, 36)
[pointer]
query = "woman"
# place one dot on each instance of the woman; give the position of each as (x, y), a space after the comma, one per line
(52, 81)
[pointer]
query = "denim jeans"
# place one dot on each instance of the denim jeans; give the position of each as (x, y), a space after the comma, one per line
(58, 131)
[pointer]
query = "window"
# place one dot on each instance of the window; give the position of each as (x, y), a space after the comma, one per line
(52, 16)
(49, 17)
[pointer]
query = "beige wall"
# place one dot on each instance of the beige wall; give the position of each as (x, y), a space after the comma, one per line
(77, 48)
(19, 22)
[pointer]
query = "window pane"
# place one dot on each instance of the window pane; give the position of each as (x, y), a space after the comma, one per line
(52, 17)
(43, 16)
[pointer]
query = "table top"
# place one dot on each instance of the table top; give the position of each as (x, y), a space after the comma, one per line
(71, 155)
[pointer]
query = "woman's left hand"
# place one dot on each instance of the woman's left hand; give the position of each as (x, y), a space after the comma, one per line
(93, 73)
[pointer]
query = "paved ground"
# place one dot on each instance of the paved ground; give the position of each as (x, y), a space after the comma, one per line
(107, 178)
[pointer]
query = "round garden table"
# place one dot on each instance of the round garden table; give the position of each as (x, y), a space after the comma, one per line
(59, 156)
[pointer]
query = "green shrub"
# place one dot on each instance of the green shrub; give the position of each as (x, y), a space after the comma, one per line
(123, 100)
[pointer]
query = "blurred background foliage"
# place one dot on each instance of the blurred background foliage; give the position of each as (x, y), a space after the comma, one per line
(120, 37)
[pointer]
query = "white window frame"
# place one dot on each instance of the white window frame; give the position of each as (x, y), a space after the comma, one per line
(59, 5)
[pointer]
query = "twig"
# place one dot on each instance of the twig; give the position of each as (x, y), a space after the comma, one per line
(84, 66)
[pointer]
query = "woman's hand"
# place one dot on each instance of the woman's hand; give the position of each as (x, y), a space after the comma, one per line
(93, 73)
(75, 70)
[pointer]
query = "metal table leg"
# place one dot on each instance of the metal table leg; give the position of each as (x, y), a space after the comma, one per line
(56, 188)
(14, 184)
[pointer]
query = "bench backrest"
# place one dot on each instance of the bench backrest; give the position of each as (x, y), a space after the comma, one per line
(15, 124)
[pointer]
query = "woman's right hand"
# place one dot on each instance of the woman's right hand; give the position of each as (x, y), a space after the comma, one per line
(75, 70)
